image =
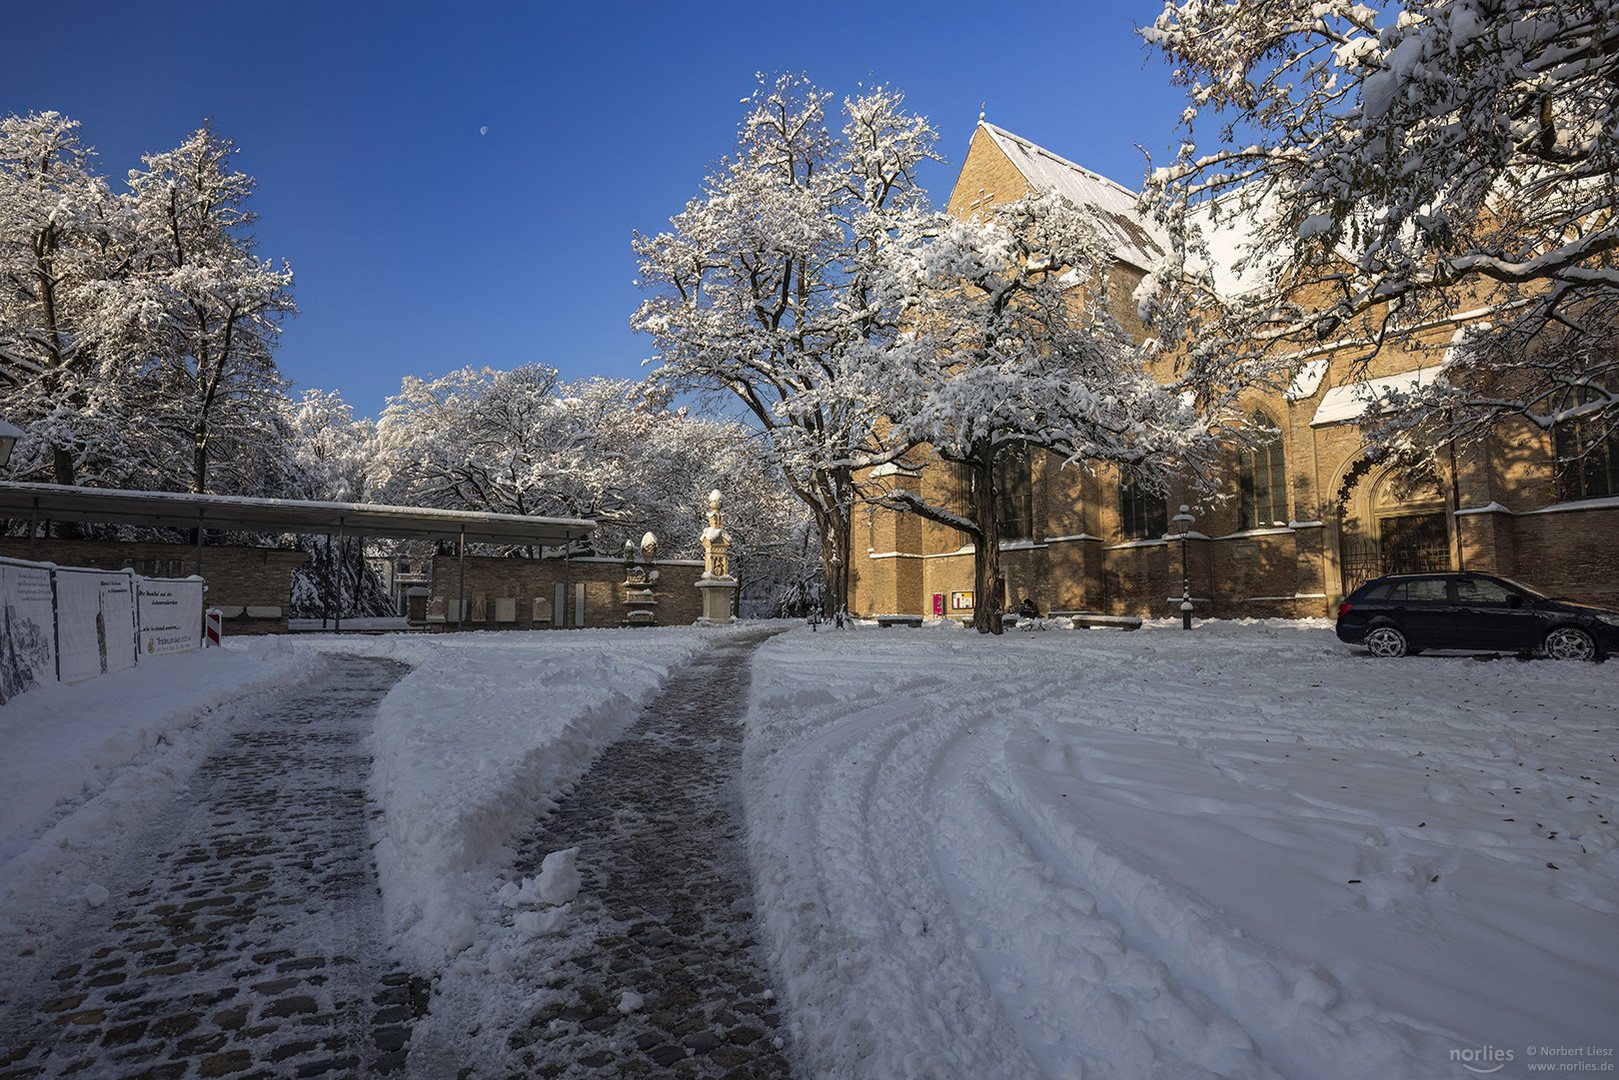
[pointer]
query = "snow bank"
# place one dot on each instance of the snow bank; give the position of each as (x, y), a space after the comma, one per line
(84, 767)
(488, 730)
(1245, 851)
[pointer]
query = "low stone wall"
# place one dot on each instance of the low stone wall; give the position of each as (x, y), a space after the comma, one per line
(251, 585)
(528, 588)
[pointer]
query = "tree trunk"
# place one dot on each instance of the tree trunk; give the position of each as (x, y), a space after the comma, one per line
(834, 529)
(831, 510)
(987, 549)
(199, 459)
(62, 466)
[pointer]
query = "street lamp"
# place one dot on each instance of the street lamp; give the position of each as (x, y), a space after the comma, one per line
(9, 434)
(1182, 524)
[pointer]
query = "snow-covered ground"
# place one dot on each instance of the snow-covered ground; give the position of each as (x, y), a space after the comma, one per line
(82, 768)
(484, 731)
(1243, 851)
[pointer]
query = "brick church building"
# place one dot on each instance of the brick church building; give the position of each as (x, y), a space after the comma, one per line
(1311, 512)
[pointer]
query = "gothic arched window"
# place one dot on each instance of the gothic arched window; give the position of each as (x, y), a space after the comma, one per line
(1143, 515)
(1262, 478)
(1587, 464)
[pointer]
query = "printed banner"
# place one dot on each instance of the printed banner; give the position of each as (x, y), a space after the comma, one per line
(81, 632)
(118, 621)
(95, 623)
(170, 615)
(27, 629)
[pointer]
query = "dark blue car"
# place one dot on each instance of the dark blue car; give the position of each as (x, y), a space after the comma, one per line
(1406, 613)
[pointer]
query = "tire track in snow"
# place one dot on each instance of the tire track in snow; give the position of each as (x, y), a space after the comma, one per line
(1145, 976)
(845, 857)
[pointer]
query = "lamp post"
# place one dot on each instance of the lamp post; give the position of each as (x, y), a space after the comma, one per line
(9, 434)
(1182, 524)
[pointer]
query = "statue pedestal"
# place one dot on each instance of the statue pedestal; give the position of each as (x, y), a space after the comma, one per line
(640, 590)
(717, 597)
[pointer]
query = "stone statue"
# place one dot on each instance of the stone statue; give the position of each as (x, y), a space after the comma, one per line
(715, 542)
(717, 586)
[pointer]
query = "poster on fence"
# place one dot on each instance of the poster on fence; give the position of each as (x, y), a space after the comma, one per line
(94, 623)
(170, 615)
(118, 621)
(28, 644)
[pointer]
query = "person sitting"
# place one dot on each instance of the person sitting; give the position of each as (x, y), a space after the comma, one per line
(1028, 610)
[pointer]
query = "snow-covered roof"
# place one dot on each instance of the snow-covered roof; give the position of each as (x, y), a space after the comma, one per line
(232, 513)
(1307, 379)
(1132, 237)
(1352, 400)
(1228, 242)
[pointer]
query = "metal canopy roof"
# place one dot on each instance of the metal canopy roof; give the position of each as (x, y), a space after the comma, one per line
(229, 513)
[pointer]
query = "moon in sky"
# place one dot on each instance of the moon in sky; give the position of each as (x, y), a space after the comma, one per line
(484, 130)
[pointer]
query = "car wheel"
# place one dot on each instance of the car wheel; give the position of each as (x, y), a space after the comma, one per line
(1386, 642)
(1570, 643)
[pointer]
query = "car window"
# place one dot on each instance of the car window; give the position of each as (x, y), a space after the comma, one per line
(1375, 593)
(1482, 591)
(1528, 590)
(1426, 591)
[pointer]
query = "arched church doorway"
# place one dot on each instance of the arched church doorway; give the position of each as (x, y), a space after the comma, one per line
(1396, 525)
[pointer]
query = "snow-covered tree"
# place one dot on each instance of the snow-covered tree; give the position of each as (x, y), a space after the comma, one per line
(498, 441)
(1015, 346)
(329, 458)
(136, 331)
(337, 581)
(62, 240)
(1398, 164)
(524, 442)
(331, 451)
(764, 287)
(204, 310)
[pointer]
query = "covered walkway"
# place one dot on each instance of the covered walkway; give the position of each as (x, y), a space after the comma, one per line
(201, 514)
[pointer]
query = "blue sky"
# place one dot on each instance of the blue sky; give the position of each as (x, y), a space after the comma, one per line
(421, 246)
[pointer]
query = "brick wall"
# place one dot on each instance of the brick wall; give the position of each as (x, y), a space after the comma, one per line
(1571, 552)
(679, 603)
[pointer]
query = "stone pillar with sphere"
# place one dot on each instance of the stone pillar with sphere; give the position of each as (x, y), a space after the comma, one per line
(717, 585)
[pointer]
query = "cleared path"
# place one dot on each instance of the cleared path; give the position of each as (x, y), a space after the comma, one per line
(242, 935)
(665, 911)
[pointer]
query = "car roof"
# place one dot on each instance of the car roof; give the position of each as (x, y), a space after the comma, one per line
(1425, 575)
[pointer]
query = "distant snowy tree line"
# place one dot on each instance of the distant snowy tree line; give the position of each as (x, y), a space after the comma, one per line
(137, 337)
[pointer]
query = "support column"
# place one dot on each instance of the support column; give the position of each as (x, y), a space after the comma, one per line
(337, 615)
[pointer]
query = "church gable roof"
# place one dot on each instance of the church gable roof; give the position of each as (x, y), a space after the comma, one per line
(1132, 237)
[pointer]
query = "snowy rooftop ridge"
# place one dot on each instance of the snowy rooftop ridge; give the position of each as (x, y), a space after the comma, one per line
(241, 513)
(1133, 237)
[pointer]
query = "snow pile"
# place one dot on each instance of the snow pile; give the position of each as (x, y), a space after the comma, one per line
(556, 887)
(82, 769)
(1243, 851)
(487, 731)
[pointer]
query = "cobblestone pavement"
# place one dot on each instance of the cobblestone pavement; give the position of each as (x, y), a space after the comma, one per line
(242, 936)
(665, 905)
